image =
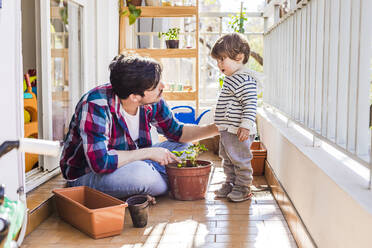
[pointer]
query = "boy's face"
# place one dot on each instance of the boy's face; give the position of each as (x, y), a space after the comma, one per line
(228, 66)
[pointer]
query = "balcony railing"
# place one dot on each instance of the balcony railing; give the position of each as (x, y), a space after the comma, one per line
(318, 68)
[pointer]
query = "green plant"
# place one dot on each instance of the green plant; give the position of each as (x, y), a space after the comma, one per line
(220, 80)
(237, 22)
(64, 15)
(192, 152)
(132, 12)
(172, 34)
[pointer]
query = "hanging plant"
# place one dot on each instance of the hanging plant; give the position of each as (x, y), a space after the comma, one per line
(132, 12)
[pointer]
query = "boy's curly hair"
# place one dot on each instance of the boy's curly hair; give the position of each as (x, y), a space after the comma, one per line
(231, 45)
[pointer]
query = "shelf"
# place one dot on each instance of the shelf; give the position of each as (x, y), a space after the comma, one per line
(180, 95)
(62, 96)
(126, 34)
(167, 11)
(59, 52)
(55, 13)
(165, 53)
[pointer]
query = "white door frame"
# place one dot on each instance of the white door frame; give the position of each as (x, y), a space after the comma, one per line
(43, 52)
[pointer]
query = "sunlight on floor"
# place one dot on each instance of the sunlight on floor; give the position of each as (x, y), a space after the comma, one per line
(211, 222)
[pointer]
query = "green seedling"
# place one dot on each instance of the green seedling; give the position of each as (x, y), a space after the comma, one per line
(172, 34)
(192, 152)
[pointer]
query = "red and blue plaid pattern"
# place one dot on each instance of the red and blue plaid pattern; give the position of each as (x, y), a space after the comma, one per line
(97, 129)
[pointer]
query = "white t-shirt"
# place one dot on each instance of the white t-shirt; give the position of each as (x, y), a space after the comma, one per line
(132, 123)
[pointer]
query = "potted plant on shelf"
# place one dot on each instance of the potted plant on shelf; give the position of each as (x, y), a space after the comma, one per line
(153, 2)
(171, 37)
(134, 2)
(132, 12)
(188, 180)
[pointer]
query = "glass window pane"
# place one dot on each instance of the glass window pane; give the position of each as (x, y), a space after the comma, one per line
(65, 62)
(178, 74)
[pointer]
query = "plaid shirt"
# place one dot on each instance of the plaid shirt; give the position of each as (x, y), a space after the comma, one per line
(97, 129)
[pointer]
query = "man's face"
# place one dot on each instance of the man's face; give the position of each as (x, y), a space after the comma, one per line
(153, 96)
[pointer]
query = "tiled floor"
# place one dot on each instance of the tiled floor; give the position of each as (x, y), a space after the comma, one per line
(204, 223)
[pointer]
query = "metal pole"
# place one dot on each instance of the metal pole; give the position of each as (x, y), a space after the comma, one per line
(370, 149)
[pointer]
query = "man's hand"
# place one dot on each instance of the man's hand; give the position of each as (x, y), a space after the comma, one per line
(192, 133)
(243, 134)
(163, 156)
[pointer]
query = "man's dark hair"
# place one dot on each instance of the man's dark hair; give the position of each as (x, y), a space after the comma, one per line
(133, 74)
(231, 45)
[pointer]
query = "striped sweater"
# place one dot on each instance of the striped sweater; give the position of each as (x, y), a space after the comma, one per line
(237, 103)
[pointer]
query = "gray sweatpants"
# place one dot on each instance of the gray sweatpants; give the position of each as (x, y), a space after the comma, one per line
(236, 159)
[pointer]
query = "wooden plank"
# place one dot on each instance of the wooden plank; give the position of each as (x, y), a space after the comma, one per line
(197, 68)
(59, 52)
(224, 14)
(167, 11)
(55, 13)
(121, 30)
(165, 53)
(180, 95)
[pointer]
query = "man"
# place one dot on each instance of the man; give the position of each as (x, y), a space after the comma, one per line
(108, 146)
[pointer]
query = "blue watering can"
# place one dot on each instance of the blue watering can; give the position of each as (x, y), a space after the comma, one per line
(188, 117)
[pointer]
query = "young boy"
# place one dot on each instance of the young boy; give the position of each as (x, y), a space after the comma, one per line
(235, 116)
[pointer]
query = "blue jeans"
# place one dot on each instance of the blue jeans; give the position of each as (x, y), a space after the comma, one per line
(138, 177)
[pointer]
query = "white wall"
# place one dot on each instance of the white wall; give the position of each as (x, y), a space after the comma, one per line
(332, 200)
(11, 118)
(101, 39)
(107, 37)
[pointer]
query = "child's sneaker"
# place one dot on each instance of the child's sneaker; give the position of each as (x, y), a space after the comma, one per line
(239, 194)
(224, 190)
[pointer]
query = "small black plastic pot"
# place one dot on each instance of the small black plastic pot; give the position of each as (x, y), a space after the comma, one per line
(138, 206)
(172, 43)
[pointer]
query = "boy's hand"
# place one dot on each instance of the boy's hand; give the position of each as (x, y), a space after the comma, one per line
(243, 134)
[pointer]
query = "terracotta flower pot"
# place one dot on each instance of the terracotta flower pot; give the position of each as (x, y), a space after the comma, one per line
(189, 183)
(172, 43)
(259, 156)
(134, 2)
